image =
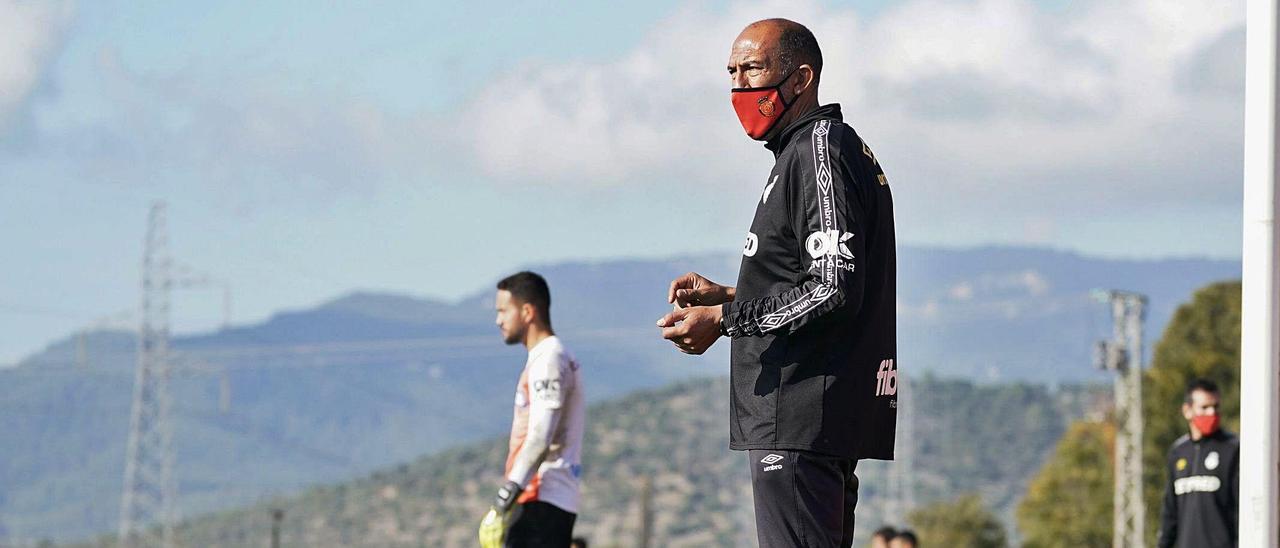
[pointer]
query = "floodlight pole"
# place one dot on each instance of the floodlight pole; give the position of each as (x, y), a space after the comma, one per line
(1123, 355)
(1259, 351)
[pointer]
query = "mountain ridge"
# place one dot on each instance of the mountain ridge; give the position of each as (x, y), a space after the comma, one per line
(370, 378)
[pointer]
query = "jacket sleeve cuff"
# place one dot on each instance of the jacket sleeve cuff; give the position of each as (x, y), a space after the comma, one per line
(726, 313)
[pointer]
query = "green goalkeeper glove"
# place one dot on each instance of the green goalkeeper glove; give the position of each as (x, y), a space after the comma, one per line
(505, 511)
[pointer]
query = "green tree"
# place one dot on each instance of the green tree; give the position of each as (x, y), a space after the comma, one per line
(963, 522)
(1069, 502)
(1202, 340)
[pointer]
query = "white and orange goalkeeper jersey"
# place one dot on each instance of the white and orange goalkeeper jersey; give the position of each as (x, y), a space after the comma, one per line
(550, 388)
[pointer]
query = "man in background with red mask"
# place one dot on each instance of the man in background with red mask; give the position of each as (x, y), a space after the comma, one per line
(812, 317)
(1202, 496)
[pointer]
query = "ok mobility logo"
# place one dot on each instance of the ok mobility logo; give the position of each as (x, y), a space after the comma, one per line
(829, 245)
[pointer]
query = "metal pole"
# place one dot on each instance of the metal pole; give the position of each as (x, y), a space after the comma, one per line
(1123, 355)
(901, 489)
(646, 513)
(1136, 314)
(1119, 514)
(277, 515)
(1259, 353)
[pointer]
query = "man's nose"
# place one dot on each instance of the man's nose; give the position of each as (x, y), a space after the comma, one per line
(740, 79)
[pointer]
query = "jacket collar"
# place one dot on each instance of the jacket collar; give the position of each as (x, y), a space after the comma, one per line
(780, 141)
(1217, 435)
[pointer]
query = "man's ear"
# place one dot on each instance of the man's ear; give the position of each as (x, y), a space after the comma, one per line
(527, 313)
(806, 79)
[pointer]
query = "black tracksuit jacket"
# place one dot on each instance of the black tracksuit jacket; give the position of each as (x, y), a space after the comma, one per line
(813, 322)
(1202, 494)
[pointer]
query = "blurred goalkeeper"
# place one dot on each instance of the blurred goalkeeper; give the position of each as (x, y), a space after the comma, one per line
(539, 502)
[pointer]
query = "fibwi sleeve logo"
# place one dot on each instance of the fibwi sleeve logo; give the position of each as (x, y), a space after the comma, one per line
(887, 378)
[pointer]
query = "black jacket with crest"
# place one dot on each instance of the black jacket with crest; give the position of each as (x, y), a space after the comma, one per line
(813, 322)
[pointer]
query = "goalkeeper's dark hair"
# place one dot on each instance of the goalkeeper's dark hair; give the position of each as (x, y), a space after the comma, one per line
(530, 288)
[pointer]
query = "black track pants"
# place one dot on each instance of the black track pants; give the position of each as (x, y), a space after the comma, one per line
(541, 525)
(803, 499)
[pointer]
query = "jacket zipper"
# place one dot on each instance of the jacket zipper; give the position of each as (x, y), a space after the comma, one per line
(1195, 470)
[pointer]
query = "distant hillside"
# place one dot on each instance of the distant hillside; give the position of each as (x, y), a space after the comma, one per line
(969, 438)
(366, 380)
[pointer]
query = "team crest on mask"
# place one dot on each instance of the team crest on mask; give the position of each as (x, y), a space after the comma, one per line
(765, 106)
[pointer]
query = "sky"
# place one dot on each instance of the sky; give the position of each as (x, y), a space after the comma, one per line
(305, 151)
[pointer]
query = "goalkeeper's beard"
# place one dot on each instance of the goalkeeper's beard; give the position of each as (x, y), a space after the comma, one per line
(515, 336)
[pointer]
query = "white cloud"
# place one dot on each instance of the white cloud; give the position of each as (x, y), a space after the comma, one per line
(989, 101)
(997, 102)
(660, 109)
(32, 32)
(242, 131)
(997, 120)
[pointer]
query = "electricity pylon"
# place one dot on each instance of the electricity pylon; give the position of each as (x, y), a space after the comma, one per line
(147, 503)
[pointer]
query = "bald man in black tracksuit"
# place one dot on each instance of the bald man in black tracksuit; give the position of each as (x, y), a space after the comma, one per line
(812, 318)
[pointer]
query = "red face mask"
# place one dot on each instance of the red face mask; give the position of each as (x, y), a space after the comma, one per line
(1206, 424)
(759, 108)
